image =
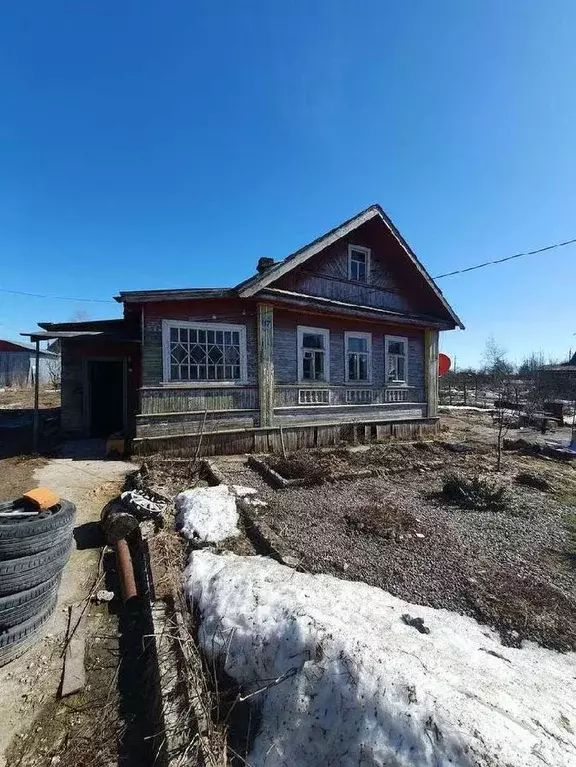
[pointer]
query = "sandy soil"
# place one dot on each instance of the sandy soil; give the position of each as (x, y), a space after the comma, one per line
(29, 684)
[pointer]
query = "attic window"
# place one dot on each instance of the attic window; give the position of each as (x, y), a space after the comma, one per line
(358, 263)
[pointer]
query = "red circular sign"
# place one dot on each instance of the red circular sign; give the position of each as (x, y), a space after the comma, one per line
(444, 364)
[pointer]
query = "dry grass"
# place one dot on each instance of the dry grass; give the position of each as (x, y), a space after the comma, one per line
(385, 520)
(526, 609)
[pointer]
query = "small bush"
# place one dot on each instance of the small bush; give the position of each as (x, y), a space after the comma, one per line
(475, 493)
(529, 479)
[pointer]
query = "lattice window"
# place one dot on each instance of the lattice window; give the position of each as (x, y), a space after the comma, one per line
(359, 396)
(396, 395)
(313, 396)
(204, 353)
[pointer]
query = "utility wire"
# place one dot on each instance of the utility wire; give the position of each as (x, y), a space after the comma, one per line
(58, 298)
(508, 258)
(438, 277)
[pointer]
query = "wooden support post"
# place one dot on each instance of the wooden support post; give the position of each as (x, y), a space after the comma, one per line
(266, 363)
(431, 371)
(36, 426)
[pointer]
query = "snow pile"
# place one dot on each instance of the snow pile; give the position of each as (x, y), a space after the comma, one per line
(207, 513)
(341, 679)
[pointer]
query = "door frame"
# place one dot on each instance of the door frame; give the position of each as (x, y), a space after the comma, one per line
(87, 393)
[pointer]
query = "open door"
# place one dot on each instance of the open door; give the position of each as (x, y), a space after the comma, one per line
(106, 397)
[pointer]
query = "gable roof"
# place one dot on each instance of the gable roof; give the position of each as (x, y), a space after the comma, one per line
(20, 346)
(260, 281)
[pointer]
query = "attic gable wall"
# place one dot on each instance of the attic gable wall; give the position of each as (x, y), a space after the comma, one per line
(393, 284)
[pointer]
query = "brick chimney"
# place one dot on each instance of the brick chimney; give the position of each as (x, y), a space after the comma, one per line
(264, 263)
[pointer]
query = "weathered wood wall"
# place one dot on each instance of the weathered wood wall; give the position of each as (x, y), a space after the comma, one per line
(72, 390)
(286, 348)
(394, 282)
(293, 437)
(232, 311)
(181, 399)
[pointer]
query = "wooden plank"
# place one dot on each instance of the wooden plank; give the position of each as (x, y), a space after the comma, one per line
(266, 363)
(431, 372)
(74, 676)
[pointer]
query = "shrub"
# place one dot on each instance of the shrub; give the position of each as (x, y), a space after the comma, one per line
(475, 493)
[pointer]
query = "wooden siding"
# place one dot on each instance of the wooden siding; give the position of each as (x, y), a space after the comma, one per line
(288, 396)
(349, 413)
(231, 311)
(294, 437)
(194, 423)
(72, 391)
(326, 275)
(286, 351)
(180, 400)
(394, 283)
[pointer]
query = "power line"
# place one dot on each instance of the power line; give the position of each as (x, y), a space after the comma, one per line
(438, 277)
(57, 298)
(508, 258)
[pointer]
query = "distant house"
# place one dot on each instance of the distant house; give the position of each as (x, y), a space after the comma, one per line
(18, 364)
(559, 381)
(337, 341)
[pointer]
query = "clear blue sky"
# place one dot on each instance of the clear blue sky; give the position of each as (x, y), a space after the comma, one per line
(147, 145)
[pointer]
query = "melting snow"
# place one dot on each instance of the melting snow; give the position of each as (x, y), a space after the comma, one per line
(207, 513)
(340, 679)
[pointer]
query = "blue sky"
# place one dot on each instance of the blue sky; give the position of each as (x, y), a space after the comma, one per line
(147, 145)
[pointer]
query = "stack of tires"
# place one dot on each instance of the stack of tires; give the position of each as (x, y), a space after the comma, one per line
(33, 552)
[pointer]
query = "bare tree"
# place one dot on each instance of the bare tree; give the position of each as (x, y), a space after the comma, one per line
(53, 368)
(80, 315)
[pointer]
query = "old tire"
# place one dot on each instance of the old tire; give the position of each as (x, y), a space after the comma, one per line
(19, 638)
(26, 572)
(19, 607)
(25, 537)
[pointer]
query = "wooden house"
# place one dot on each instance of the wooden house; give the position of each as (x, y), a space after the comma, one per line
(559, 381)
(337, 341)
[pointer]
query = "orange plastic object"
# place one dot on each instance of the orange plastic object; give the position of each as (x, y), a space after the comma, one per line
(42, 497)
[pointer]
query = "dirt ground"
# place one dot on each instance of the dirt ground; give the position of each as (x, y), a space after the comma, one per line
(511, 569)
(36, 728)
(21, 399)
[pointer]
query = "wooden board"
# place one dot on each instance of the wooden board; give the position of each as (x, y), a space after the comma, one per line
(74, 676)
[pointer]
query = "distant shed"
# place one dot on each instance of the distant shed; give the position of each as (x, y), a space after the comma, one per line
(18, 364)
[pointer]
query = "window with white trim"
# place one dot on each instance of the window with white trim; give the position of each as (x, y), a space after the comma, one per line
(204, 352)
(313, 354)
(358, 263)
(396, 359)
(358, 357)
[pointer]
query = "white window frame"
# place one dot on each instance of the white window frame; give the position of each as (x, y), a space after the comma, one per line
(353, 334)
(368, 253)
(301, 330)
(403, 340)
(167, 325)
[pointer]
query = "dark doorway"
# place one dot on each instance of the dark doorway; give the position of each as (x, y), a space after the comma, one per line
(106, 397)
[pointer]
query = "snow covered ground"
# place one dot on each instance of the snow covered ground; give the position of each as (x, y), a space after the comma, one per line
(340, 679)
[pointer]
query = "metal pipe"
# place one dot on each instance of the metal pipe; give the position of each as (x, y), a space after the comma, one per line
(125, 570)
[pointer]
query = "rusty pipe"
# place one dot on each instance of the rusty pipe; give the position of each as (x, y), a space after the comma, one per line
(125, 569)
